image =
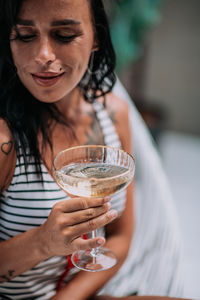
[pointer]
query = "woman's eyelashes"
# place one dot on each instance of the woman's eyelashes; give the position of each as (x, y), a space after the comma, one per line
(63, 38)
(26, 37)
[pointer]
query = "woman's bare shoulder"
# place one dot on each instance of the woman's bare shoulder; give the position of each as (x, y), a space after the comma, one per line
(7, 155)
(117, 104)
(118, 110)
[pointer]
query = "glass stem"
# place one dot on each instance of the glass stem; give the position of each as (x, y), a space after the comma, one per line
(94, 251)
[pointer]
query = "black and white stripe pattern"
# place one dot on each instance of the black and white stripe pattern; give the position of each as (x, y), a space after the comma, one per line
(25, 205)
(111, 139)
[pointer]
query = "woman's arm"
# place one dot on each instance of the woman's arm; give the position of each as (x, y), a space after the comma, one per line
(136, 298)
(119, 232)
(59, 235)
(7, 156)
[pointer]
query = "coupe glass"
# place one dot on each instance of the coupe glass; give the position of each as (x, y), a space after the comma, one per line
(93, 171)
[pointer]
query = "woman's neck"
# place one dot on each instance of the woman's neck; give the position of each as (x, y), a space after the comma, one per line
(70, 105)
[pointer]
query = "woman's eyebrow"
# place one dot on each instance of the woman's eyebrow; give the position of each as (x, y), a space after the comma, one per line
(24, 22)
(65, 22)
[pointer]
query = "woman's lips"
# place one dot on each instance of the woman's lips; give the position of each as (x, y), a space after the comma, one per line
(47, 79)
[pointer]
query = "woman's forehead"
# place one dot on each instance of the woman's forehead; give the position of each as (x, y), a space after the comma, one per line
(55, 9)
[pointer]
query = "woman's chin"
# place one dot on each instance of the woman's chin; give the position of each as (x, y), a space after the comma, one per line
(47, 97)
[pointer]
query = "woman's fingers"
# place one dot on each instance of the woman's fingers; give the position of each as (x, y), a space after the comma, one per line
(93, 224)
(81, 244)
(86, 214)
(71, 219)
(80, 203)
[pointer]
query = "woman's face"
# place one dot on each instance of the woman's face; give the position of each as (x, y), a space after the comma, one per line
(55, 40)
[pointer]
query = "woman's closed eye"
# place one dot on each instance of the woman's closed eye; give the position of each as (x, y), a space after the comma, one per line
(26, 37)
(59, 37)
(64, 38)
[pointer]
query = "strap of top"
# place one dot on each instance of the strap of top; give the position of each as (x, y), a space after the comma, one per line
(111, 137)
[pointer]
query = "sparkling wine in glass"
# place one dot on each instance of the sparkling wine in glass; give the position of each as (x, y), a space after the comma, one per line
(93, 171)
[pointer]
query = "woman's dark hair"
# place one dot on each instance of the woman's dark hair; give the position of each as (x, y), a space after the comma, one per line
(25, 115)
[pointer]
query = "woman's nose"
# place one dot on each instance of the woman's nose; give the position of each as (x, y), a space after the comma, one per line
(45, 53)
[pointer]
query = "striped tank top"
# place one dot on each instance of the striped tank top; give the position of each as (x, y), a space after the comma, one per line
(25, 205)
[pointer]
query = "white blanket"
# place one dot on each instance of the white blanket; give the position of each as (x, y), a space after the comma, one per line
(153, 266)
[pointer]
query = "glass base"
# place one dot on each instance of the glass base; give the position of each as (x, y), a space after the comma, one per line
(98, 259)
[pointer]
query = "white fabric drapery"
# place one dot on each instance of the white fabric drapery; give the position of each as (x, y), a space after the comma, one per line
(153, 266)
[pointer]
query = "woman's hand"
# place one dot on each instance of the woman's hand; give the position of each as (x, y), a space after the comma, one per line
(69, 220)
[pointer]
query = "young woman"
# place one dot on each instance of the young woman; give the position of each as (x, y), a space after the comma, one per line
(56, 77)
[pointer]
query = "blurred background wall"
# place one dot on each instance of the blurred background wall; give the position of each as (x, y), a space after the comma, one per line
(158, 49)
(158, 52)
(172, 76)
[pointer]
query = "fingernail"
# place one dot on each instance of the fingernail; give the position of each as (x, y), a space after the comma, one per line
(108, 205)
(107, 199)
(100, 242)
(113, 213)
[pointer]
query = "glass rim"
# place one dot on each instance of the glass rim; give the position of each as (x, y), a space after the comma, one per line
(96, 146)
